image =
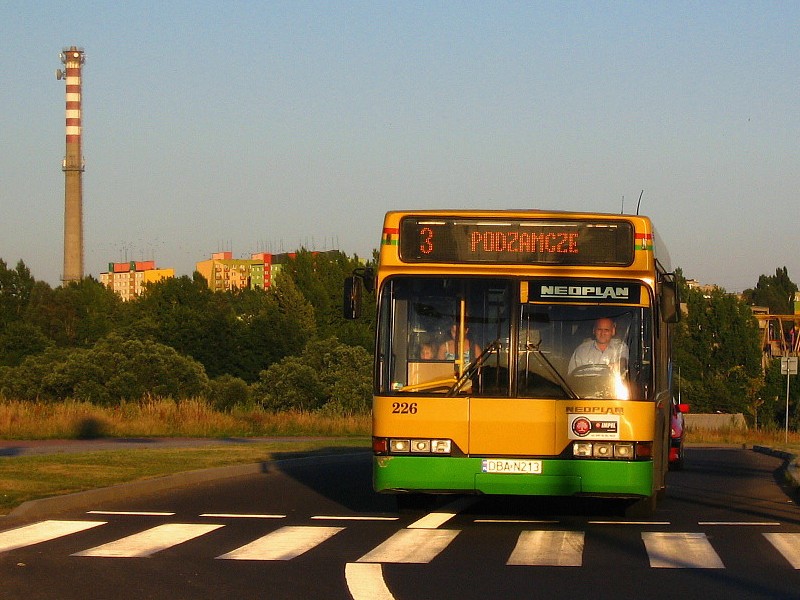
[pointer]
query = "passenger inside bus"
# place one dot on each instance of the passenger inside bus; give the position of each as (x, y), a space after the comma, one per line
(449, 349)
(426, 351)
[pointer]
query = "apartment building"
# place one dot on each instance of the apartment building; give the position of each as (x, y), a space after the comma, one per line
(128, 279)
(223, 272)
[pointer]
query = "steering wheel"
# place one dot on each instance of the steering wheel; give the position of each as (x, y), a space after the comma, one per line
(599, 370)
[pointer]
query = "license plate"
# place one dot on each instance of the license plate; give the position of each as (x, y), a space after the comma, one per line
(503, 465)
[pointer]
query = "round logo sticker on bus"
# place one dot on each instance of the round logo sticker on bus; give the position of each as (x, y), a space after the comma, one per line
(581, 426)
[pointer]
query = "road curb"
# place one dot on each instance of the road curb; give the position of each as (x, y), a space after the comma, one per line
(48, 507)
(791, 466)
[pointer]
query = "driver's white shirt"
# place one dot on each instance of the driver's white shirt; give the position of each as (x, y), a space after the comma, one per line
(589, 354)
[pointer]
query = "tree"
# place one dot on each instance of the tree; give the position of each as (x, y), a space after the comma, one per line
(717, 351)
(16, 286)
(775, 292)
(21, 339)
(76, 314)
(319, 277)
(773, 410)
(186, 315)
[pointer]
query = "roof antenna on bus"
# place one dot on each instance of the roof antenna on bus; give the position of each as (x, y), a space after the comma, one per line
(639, 202)
(622, 210)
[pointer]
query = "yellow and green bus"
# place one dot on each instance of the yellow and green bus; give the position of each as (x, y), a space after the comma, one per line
(521, 352)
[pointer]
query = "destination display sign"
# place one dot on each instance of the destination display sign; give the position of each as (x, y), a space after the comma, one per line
(518, 241)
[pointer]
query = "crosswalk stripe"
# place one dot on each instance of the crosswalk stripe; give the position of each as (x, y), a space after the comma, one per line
(680, 551)
(417, 546)
(414, 546)
(284, 544)
(444, 514)
(150, 541)
(42, 532)
(548, 548)
(787, 544)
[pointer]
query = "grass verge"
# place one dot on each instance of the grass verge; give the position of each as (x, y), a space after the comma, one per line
(24, 478)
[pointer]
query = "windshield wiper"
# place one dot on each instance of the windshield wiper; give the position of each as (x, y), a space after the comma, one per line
(466, 375)
(553, 371)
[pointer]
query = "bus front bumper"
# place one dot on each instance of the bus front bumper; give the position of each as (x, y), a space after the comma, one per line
(558, 477)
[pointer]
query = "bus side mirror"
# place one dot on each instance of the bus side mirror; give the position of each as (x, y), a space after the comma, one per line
(351, 304)
(669, 300)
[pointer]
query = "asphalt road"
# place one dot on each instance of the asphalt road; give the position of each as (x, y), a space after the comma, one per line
(727, 528)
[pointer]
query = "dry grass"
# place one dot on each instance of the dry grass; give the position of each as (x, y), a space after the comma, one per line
(775, 438)
(195, 418)
(163, 418)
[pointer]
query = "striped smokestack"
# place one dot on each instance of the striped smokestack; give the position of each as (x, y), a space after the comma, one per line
(73, 59)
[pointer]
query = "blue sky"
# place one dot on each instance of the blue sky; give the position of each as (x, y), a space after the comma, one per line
(265, 126)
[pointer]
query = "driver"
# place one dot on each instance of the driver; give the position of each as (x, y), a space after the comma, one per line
(603, 349)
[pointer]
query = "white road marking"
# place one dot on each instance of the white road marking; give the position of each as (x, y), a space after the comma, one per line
(352, 518)
(548, 548)
(131, 513)
(514, 521)
(365, 581)
(787, 544)
(416, 546)
(240, 516)
(42, 532)
(680, 551)
(151, 541)
(646, 523)
(284, 544)
(742, 523)
(443, 515)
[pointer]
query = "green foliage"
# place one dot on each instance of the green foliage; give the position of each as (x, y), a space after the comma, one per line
(289, 384)
(15, 291)
(776, 292)
(329, 375)
(21, 339)
(74, 315)
(772, 410)
(717, 351)
(81, 341)
(227, 392)
(319, 277)
(234, 333)
(114, 370)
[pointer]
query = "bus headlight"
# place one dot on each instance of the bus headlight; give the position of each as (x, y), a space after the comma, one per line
(623, 450)
(401, 446)
(411, 446)
(612, 450)
(423, 446)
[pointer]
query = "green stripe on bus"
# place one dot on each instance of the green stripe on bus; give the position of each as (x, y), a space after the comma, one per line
(558, 478)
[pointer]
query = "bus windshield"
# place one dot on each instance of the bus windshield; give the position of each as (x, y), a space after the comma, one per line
(468, 336)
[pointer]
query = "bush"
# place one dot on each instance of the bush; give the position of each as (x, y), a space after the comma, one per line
(289, 384)
(114, 370)
(331, 376)
(227, 391)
